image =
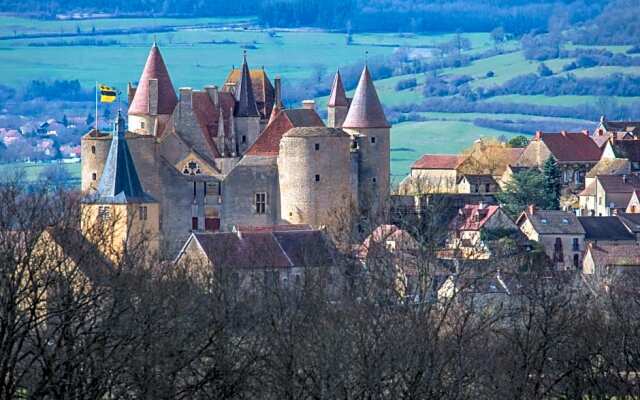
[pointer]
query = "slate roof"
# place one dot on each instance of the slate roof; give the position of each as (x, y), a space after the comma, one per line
(605, 228)
(246, 102)
(119, 183)
(607, 166)
(438, 161)
(268, 143)
(567, 146)
(619, 183)
(208, 116)
(154, 69)
(365, 110)
(338, 97)
(631, 221)
(614, 255)
(550, 222)
(253, 249)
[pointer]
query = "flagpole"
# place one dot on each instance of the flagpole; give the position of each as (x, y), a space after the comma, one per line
(96, 88)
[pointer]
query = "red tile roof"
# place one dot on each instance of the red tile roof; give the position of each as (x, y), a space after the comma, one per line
(208, 115)
(365, 110)
(619, 183)
(569, 146)
(268, 143)
(438, 161)
(154, 69)
(472, 217)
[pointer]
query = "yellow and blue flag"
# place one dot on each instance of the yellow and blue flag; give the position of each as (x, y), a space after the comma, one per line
(107, 94)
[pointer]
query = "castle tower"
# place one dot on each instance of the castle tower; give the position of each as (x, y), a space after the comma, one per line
(154, 99)
(338, 104)
(121, 214)
(246, 114)
(368, 126)
(313, 172)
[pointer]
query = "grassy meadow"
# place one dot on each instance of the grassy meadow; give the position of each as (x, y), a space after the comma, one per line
(201, 51)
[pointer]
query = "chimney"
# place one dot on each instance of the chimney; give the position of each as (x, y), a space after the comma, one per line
(563, 133)
(309, 104)
(538, 135)
(278, 90)
(532, 209)
(481, 206)
(212, 91)
(186, 94)
(586, 132)
(153, 96)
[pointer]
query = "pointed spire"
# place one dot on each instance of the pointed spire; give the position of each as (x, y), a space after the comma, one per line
(119, 182)
(161, 92)
(338, 97)
(246, 103)
(221, 124)
(365, 110)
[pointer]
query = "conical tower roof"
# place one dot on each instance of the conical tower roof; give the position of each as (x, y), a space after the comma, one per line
(154, 68)
(119, 182)
(365, 110)
(338, 97)
(246, 102)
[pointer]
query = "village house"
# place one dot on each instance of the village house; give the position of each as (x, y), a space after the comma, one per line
(474, 225)
(559, 232)
(610, 260)
(433, 173)
(625, 129)
(252, 258)
(478, 184)
(610, 194)
(575, 154)
(606, 230)
(624, 149)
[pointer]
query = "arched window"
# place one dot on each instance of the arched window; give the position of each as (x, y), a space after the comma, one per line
(93, 149)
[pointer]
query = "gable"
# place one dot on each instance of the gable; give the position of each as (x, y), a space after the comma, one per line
(194, 165)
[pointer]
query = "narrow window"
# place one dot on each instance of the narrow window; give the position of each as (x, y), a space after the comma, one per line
(576, 261)
(373, 140)
(476, 188)
(261, 203)
(576, 244)
(93, 149)
(94, 176)
(194, 223)
(374, 180)
(317, 146)
(142, 124)
(244, 139)
(487, 188)
(317, 178)
(143, 213)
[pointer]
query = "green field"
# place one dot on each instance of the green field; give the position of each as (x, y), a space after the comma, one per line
(33, 171)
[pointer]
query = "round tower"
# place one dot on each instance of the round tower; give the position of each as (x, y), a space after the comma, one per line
(154, 99)
(367, 124)
(94, 147)
(314, 175)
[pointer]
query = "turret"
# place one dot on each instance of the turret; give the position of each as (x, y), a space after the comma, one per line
(313, 172)
(368, 126)
(338, 104)
(120, 214)
(154, 99)
(246, 114)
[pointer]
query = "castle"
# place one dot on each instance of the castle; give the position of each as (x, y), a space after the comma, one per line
(218, 158)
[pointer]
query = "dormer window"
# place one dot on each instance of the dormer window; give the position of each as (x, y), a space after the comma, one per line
(191, 168)
(544, 220)
(565, 221)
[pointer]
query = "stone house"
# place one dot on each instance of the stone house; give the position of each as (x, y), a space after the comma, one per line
(559, 232)
(468, 228)
(252, 258)
(485, 184)
(217, 158)
(575, 154)
(433, 173)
